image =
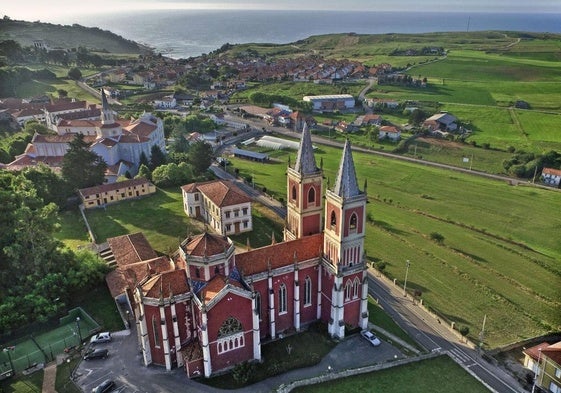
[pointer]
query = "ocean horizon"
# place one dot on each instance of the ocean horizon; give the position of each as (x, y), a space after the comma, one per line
(189, 33)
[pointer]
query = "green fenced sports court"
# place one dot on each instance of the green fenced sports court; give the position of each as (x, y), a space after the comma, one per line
(43, 347)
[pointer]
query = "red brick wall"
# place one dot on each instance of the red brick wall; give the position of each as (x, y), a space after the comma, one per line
(352, 307)
(311, 225)
(308, 314)
(330, 208)
(317, 200)
(286, 320)
(326, 288)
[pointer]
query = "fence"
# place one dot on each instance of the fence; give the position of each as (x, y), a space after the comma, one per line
(32, 350)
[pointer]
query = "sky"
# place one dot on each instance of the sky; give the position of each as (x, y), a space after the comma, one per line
(59, 10)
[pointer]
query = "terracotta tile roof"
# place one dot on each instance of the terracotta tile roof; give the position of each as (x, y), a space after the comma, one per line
(132, 248)
(85, 192)
(133, 138)
(65, 106)
(551, 171)
(206, 244)
(534, 352)
(173, 282)
(25, 161)
(127, 277)
(78, 123)
(389, 129)
(141, 128)
(66, 138)
(279, 255)
(553, 352)
(215, 285)
(223, 193)
(189, 188)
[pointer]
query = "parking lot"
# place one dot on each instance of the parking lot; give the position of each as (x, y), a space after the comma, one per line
(124, 366)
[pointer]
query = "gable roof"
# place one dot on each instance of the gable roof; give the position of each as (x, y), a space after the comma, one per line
(551, 171)
(279, 254)
(128, 276)
(553, 352)
(166, 284)
(131, 248)
(85, 192)
(215, 285)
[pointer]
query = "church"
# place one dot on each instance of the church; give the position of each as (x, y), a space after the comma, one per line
(119, 142)
(210, 307)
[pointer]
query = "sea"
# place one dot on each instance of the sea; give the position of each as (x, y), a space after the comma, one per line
(189, 33)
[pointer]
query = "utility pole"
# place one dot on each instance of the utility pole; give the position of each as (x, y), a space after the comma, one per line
(471, 162)
(406, 273)
(482, 333)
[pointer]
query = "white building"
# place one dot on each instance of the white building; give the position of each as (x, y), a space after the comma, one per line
(551, 177)
(329, 103)
(219, 203)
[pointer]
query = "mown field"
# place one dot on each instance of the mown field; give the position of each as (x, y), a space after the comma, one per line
(496, 258)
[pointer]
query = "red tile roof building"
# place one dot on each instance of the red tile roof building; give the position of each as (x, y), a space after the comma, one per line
(214, 307)
(219, 203)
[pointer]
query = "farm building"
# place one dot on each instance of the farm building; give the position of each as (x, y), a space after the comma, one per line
(250, 155)
(551, 177)
(441, 122)
(329, 103)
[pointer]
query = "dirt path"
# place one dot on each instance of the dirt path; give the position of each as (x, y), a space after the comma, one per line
(49, 378)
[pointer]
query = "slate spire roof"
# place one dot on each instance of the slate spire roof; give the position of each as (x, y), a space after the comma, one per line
(107, 117)
(346, 184)
(305, 160)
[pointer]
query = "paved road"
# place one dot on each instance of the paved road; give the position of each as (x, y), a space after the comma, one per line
(429, 332)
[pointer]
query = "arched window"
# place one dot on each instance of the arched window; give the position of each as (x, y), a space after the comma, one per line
(312, 195)
(356, 286)
(348, 290)
(352, 222)
(294, 193)
(230, 336)
(333, 219)
(307, 291)
(282, 299)
(258, 304)
(216, 269)
(156, 328)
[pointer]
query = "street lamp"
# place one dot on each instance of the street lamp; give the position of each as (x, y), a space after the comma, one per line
(7, 350)
(406, 273)
(78, 327)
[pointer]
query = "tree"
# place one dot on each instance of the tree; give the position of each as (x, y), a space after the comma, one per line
(437, 237)
(157, 157)
(145, 172)
(50, 186)
(62, 93)
(81, 167)
(200, 157)
(417, 116)
(75, 73)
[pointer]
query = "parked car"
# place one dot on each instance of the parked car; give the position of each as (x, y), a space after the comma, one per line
(105, 386)
(367, 334)
(100, 338)
(96, 354)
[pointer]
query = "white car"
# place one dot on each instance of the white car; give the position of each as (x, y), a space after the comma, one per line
(370, 337)
(101, 338)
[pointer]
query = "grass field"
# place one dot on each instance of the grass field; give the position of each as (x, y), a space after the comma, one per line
(438, 375)
(494, 252)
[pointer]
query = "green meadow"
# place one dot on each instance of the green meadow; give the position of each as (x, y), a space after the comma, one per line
(495, 259)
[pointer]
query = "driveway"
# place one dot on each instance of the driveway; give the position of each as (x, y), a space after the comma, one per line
(124, 366)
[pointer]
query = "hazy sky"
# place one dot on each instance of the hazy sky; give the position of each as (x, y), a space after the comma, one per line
(56, 10)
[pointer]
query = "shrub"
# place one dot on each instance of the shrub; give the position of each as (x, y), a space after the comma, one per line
(437, 237)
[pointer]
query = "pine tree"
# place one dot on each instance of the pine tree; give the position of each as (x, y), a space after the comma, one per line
(81, 167)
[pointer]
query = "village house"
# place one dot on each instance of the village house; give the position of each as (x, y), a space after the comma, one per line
(381, 103)
(219, 203)
(545, 361)
(389, 132)
(105, 194)
(551, 177)
(210, 307)
(167, 102)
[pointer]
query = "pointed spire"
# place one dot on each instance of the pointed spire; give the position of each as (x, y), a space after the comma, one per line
(346, 184)
(104, 102)
(106, 112)
(305, 160)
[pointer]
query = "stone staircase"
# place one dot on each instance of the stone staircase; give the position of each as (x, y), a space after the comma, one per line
(106, 254)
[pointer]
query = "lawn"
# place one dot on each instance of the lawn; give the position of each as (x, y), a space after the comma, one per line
(438, 375)
(494, 251)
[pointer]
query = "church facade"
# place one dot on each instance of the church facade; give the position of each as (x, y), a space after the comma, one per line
(216, 306)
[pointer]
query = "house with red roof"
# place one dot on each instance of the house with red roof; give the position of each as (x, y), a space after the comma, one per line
(551, 177)
(210, 307)
(219, 203)
(389, 132)
(545, 360)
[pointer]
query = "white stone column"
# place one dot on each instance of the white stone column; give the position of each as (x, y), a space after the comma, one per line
(144, 341)
(272, 327)
(206, 347)
(177, 340)
(296, 301)
(341, 310)
(164, 328)
(363, 317)
(318, 311)
(256, 331)
(334, 314)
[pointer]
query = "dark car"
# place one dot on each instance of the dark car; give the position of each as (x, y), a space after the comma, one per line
(105, 386)
(96, 354)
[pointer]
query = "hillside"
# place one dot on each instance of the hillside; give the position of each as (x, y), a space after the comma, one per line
(67, 37)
